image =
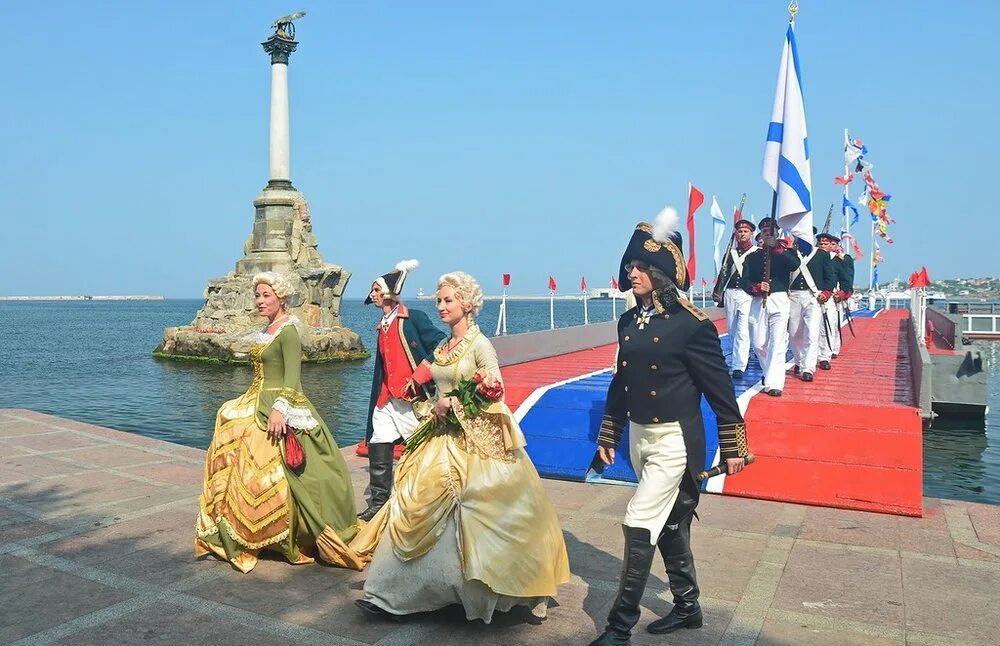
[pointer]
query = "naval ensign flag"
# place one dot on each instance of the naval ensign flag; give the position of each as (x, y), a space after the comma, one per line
(786, 153)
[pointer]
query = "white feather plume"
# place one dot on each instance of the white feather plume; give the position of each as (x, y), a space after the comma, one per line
(666, 224)
(407, 265)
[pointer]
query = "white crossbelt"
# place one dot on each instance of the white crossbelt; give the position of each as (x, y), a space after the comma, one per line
(804, 270)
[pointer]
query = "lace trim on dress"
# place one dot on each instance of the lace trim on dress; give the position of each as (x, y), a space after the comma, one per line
(450, 357)
(295, 416)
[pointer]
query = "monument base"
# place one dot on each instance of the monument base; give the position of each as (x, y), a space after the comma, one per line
(282, 241)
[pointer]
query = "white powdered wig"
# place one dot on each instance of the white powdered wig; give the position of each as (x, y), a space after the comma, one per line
(666, 224)
(407, 265)
(282, 286)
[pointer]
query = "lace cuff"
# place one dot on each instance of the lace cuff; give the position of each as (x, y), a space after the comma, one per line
(295, 416)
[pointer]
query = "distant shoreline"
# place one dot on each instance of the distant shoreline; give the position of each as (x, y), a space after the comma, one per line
(83, 298)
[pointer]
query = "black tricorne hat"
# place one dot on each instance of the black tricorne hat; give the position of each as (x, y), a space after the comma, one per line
(392, 282)
(658, 245)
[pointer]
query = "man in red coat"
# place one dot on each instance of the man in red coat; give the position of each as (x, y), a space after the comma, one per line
(405, 338)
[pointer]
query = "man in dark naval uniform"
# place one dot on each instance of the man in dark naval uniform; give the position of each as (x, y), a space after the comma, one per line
(811, 287)
(766, 276)
(730, 294)
(668, 357)
(843, 270)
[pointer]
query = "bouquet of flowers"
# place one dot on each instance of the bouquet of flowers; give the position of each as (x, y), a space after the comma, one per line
(473, 395)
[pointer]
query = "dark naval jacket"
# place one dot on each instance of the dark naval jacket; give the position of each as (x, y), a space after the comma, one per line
(664, 367)
(735, 278)
(783, 263)
(822, 270)
(419, 338)
(845, 272)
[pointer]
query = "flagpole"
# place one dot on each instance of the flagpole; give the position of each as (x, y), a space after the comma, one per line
(586, 321)
(503, 304)
(552, 310)
(614, 304)
(847, 172)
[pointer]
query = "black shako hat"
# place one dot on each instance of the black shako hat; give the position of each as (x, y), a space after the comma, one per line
(748, 223)
(827, 236)
(392, 282)
(658, 245)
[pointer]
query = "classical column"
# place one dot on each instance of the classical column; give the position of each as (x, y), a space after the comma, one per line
(279, 47)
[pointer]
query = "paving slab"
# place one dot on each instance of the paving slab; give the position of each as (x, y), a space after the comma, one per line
(105, 545)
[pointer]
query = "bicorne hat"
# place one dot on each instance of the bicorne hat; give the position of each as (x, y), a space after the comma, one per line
(658, 245)
(392, 282)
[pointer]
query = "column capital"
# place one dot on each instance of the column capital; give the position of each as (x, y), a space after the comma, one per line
(279, 48)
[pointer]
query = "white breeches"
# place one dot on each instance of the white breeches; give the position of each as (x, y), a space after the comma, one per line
(659, 458)
(805, 324)
(769, 334)
(829, 348)
(737, 304)
(393, 421)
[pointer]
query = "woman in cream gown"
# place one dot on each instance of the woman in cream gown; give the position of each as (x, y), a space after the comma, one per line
(251, 501)
(468, 521)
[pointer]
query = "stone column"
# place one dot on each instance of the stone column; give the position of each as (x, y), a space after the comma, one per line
(279, 48)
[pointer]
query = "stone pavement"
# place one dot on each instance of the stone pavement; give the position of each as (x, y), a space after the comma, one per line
(96, 546)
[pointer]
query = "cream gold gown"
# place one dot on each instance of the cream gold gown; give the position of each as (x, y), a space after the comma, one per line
(468, 521)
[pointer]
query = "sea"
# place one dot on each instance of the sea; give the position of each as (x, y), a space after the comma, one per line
(92, 361)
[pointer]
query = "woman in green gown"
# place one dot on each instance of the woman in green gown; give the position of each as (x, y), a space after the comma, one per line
(251, 500)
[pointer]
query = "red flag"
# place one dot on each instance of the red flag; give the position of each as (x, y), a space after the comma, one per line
(925, 280)
(913, 279)
(614, 284)
(583, 284)
(506, 280)
(847, 179)
(737, 214)
(552, 284)
(695, 199)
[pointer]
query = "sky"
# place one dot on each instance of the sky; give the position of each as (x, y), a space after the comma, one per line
(526, 137)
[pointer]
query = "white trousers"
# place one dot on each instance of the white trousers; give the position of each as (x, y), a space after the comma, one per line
(737, 303)
(831, 346)
(393, 421)
(659, 458)
(769, 335)
(805, 320)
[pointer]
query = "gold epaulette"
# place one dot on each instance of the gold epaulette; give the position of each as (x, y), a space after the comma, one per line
(733, 440)
(694, 309)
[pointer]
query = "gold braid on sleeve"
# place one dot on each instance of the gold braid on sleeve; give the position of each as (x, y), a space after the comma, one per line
(733, 440)
(611, 431)
(293, 397)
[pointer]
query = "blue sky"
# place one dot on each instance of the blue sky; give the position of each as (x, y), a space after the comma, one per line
(527, 137)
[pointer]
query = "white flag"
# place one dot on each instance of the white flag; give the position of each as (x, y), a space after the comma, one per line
(719, 227)
(786, 153)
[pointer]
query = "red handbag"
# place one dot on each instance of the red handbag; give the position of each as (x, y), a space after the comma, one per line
(295, 457)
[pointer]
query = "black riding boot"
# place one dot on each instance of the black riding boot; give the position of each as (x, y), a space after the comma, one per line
(635, 571)
(675, 547)
(379, 478)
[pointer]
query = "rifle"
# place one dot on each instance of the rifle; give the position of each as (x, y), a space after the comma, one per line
(826, 223)
(719, 290)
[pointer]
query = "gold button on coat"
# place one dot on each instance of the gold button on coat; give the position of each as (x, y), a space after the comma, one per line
(624, 363)
(656, 339)
(656, 420)
(626, 337)
(652, 393)
(653, 367)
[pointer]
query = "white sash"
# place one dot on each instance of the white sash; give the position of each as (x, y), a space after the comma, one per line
(804, 270)
(738, 259)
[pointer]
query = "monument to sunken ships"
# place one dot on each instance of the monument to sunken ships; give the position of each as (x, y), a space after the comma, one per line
(282, 240)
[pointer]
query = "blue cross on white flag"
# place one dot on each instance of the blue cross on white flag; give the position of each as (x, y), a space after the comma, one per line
(786, 153)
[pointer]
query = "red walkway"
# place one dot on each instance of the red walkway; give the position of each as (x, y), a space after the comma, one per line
(850, 439)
